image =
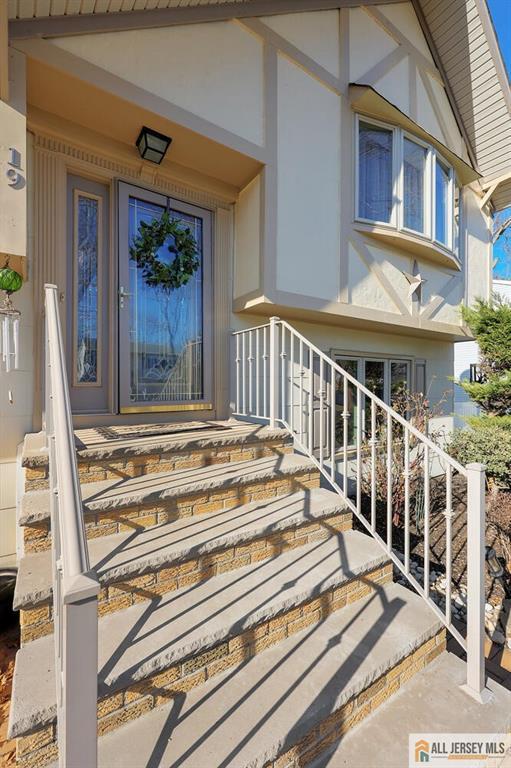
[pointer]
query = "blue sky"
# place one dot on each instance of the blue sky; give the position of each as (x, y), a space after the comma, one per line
(501, 15)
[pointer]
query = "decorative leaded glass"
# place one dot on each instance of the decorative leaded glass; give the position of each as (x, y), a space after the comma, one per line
(87, 305)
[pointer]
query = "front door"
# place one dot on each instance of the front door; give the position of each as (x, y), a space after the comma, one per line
(165, 344)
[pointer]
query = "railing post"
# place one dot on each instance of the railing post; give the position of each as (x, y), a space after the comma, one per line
(77, 723)
(475, 685)
(274, 370)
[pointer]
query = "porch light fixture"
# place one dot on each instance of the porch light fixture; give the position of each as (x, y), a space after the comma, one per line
(152, 145)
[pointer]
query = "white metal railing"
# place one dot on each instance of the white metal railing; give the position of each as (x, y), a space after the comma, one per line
(349, 433)
(75, 587)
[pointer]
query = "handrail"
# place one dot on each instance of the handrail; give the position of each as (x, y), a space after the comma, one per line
(75, 586)
(383, 405)
(72, 531)
(284, 378)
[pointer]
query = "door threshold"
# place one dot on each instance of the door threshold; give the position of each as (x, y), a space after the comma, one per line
(166, 408)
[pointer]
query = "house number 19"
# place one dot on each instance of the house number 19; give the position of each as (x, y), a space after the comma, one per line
(15, 178)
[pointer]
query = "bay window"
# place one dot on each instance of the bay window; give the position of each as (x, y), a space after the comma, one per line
(442, 185)
(414, 185)
(405, 184)
(375, 172)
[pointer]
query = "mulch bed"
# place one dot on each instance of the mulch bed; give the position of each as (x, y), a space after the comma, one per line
(498, 527)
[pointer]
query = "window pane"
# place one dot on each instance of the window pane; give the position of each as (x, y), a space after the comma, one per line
(375, 173)
(414, 173)
(165, 326)
(351, 366)
(398, 379)
(441, 202)
(375, 381)
(86, 353)
(420, 377)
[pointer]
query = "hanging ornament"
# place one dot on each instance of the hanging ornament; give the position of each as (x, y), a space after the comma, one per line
(10, 282)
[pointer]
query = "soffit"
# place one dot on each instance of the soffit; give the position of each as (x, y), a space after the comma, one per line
(462, 35)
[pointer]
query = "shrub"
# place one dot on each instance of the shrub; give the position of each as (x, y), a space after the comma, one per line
(418, 411)
(490, 322)
(487, 440)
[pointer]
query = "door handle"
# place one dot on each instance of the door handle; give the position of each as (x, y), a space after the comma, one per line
(123, 294)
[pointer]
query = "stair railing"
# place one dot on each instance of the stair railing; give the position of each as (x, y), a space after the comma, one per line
(359, 443)
(75, 587)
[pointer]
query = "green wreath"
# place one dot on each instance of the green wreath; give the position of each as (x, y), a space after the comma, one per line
(150, 239)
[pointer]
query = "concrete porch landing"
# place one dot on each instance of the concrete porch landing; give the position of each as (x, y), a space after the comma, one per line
(431, 702)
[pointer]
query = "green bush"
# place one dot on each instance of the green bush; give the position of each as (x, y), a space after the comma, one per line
(490, 322)
(487, 440)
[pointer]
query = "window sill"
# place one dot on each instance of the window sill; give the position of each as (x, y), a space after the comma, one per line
(415, 245)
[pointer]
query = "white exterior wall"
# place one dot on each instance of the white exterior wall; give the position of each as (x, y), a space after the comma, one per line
(213, 70)
(309, 181)
(247, 238)
(16, 387)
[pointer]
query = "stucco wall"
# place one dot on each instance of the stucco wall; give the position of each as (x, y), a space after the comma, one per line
(213, 70)
(247, 243)
(280, 84)
(309, 180)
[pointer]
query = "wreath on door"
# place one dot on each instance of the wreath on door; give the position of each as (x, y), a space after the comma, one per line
(145, 247)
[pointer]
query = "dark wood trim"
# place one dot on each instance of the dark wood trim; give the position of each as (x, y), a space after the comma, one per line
(54, 26)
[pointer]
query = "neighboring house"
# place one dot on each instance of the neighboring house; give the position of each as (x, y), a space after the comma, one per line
(336, 165)
(466, 358)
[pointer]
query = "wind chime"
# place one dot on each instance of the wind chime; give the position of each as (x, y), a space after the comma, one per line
(10, 282)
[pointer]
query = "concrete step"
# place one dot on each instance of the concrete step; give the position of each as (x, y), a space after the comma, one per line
(150, 653)
(280, 708)
(127, 504)
(111, 452)
(197, 548)
(432, 702)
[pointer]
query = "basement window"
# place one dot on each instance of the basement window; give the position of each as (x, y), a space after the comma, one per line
(404, 184)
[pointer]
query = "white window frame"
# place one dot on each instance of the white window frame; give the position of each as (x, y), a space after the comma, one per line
(397, 215)
(395, 171)
(427, 213)
(450, 206)
(387, 361)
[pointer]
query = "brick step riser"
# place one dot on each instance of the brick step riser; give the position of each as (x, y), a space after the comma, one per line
(37, 622)
(336, 726)
(97, 470)
(139, 698)
(37, 536)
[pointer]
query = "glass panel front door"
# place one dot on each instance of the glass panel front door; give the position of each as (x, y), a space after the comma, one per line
(164, 332)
